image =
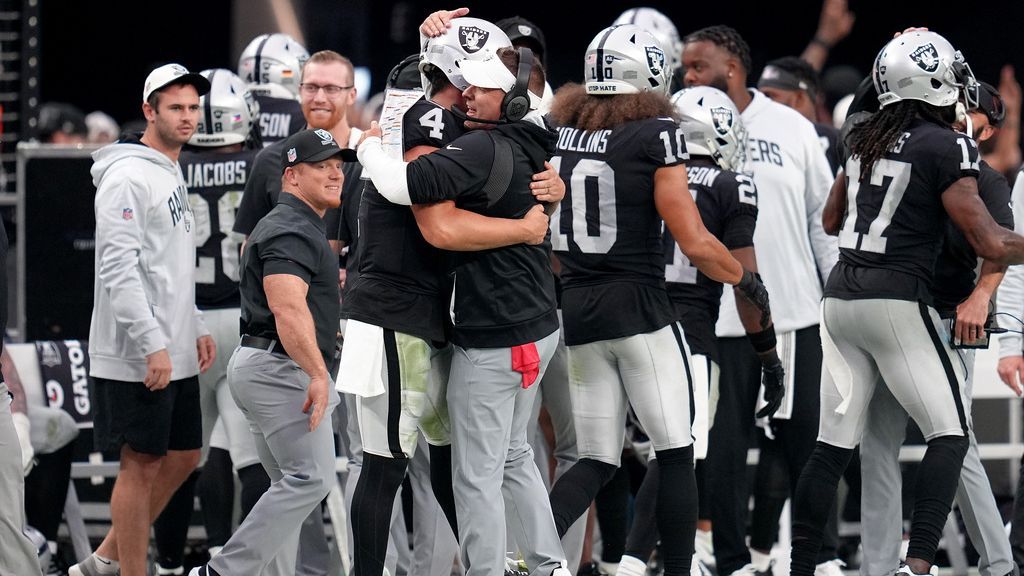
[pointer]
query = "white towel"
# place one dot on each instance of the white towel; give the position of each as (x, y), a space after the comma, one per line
(836, 365)
(362, 360)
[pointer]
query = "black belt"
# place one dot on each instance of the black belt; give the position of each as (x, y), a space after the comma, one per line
(263, 344)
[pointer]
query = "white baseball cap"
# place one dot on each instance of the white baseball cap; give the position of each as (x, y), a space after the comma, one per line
(491, 72)
(173, 74)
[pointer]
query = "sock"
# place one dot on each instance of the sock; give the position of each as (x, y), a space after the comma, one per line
(106, 566)
(441, 483)
(677, 509)
(255, 482)
(937, 480)
(372, 502)
(216, 489)
(762, 562)
(643, 534)
(170, 529)
(612, 503)
(815, 493)
(576, 489)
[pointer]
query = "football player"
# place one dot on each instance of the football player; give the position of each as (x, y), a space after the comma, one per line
(907, 171)
(623, 155)
(272, 65)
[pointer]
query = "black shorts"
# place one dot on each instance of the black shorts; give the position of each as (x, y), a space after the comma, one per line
(148, 422)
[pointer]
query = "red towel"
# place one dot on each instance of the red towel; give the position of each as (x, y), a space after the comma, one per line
(526, 360)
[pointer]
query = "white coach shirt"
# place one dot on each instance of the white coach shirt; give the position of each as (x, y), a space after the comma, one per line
(794, 255)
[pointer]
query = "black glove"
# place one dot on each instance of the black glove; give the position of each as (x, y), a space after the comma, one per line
(773, 375)
(753, 289)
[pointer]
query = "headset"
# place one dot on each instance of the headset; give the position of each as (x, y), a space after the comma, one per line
(516, 103)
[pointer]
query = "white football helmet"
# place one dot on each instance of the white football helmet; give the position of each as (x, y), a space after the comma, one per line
(922, 66)
(711, 125)
(227, 112)
(467, 38)
(661, 27)
(273, 61)
(623, 60)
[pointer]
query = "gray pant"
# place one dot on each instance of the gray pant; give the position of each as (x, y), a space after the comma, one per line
(17, 554)
(490, 415)
(881, 486)
(271, 389)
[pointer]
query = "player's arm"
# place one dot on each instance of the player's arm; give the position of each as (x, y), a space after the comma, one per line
(121, 214)
(19, 409)
(972, 313)
(989, 240)
(835, 206)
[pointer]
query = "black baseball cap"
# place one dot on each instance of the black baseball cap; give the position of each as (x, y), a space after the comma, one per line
(991, 103)
(520, 30)
(313, 146)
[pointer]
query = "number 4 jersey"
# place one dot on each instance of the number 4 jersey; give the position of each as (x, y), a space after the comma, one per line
(895, 219)
(608, 234)
(215, 185)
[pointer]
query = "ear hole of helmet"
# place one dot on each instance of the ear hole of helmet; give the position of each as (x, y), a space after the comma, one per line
(936, 84)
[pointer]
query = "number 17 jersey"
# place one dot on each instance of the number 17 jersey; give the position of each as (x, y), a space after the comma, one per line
(608, 233)
(895, 219)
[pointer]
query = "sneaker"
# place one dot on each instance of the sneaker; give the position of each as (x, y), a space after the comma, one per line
(830, 568)
(631, 566)
(704, 549)
(697, 568)
(906, 571)
(747, 570)
(200, 571)
(515, 567)
(176, 571)
(92, 566)
(591, 569)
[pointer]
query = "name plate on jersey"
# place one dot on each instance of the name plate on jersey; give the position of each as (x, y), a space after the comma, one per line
(396, 103)
(64, 370)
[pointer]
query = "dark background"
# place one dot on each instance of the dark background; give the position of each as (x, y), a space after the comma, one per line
(96, 55)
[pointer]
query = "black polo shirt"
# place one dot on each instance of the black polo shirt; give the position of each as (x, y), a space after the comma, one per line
(291, 239)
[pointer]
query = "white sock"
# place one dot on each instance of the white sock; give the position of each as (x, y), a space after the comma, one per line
(106, 565)
(632, 566)
(762, 562)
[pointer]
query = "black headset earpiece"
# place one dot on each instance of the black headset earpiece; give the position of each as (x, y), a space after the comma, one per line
(516, 103)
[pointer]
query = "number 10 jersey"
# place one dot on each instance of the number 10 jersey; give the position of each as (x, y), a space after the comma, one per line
(608, 234)
(895, 219)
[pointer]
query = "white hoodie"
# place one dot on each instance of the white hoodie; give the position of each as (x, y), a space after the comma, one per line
(144, 296)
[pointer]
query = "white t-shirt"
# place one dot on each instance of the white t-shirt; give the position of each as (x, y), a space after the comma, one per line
(794, 255)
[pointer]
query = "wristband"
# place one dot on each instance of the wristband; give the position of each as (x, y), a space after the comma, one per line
(763, 341)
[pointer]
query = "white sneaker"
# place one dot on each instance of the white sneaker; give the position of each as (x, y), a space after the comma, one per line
(830, 568)
(704, 549)
(632, 566)
(906, 571)
(560, 571)
(747, 570)
(697, 568)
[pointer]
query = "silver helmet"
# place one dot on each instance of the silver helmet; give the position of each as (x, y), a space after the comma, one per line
(467, 38)
(623, 60)
(662, 28)
(272, 62)
(227, 112)
(711, 125)
(922, 66)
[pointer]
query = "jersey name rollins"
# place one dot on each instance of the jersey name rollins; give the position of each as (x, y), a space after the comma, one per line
(208, 174)
(576, 140)
(275, 125)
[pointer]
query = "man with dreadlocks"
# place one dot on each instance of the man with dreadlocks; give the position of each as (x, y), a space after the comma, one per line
(907, 170)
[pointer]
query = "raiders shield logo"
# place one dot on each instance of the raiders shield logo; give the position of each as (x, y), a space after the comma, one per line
(722, 118)
(927, 57)
(655, 60)
(472, 38)
(325, 136)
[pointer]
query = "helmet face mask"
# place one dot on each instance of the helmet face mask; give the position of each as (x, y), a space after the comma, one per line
(227, 113)
(467, 38)
(625, 59)
(279, 59)
(712, 126)
(923, 66)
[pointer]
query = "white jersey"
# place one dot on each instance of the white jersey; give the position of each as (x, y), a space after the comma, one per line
(145, 265)
(1010, 298)
(794, 255)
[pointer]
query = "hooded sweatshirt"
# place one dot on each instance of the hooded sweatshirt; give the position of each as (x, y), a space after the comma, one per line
(144, 292)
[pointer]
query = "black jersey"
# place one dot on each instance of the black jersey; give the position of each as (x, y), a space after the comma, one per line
(727, 203)
(895, 220)
(279, 118)
(401, 277)
(215, 183)
(829, 137)
(608, 234)
(348, 234)
(954, 270)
